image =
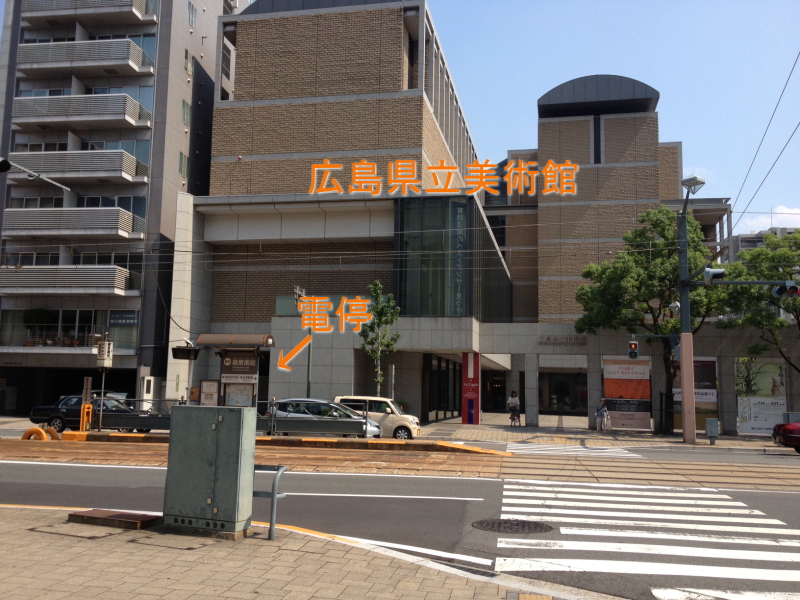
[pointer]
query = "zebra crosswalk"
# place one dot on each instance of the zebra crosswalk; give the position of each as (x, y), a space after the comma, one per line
(646, 530)
(570, 450)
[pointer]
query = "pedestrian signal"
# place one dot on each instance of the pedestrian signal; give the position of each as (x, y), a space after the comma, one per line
(633, 349)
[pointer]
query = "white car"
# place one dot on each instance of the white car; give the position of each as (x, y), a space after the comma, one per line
(309, 407)
(386, 412)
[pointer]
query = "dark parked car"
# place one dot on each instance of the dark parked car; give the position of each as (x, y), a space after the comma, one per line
(67, 412)
(787, 434)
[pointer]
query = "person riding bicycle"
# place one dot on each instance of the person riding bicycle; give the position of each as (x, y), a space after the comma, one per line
(513, 405)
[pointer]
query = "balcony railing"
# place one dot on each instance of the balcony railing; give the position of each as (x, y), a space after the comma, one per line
(81, 112)
(57, 336)
(106, 166)
(94, 57)
(71, 222)
(104, 280)
(140, 6)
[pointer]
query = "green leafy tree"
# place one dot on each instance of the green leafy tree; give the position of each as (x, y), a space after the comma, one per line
(379, 341)
(634, 290)
(778, 319)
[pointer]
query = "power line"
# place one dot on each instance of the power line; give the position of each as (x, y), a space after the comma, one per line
(765, 131)
(767, 175)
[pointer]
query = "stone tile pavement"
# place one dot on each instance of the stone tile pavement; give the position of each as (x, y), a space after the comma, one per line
(42, 555)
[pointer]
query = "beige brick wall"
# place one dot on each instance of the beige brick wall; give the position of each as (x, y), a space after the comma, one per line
(515, 197)
(289, 176)
(358, 52)
(436, 149)
(565, 140)
(249, 295)
(631, 139)
(669, 173)
(558, 297)
(318, 127)
(525, 302)
(522, 230)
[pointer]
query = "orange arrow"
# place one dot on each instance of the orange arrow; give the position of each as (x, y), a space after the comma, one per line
(283, 361)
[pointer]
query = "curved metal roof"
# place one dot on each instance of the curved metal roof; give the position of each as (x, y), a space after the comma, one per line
(596, 95)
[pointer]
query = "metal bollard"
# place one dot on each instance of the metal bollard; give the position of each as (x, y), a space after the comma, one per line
(273, 495)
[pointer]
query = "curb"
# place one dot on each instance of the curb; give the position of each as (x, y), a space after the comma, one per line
(294, 442)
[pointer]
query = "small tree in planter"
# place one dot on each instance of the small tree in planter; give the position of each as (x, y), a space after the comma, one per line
(378, 340)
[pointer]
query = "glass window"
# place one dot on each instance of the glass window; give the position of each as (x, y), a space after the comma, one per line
(187, 62)
(135, 261)
(115, 90)
(35, 147)
(149, 45)
(129, 146)
(124, 202)
(142, 151)
(26, 258)
(89, 258)
(183, 164)
(108, 202)
(186, 113)
(140, 206)
(104, 259)
(31, 203)
(146, 97)
(191, 13)
(226, 61)
(16, 202)
(498, 225)
(26, 93)
(379, 407)
(50, 147)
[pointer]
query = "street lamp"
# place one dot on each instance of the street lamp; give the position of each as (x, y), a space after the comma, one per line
(5, 166)
(693, 183)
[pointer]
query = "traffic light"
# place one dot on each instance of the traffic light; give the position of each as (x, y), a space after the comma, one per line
(711, 274)
(633, 349)
(790, 290)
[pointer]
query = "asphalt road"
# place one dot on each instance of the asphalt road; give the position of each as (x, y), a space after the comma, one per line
(619, 540)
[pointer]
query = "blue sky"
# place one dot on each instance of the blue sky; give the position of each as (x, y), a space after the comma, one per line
(719, 67)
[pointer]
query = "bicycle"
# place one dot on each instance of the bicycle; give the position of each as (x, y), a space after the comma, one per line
(515, 417)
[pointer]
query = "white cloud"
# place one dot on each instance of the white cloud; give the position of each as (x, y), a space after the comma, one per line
(782, 216)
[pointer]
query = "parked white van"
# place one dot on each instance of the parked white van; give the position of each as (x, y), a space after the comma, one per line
(387, 413)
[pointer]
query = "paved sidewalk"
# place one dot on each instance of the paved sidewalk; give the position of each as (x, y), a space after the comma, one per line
(574, 430)
(45, 556)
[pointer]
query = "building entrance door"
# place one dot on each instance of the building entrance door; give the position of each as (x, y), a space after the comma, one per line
(563, 394)
(493, 392)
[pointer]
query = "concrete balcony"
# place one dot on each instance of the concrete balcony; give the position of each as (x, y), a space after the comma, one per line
(101, 111)
(69, 280)
(65, 223)
(41, 13)
(91, 166)
(97, 58)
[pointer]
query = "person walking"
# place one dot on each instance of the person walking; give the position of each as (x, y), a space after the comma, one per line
(513, 405)
(601, 413)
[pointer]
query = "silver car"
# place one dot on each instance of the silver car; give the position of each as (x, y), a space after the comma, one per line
(310, 407)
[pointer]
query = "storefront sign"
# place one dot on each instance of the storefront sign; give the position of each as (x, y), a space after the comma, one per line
(626, 390)
(123, 318)
(761, 392)
(403, 180)
(239, 367)
(562, 340)
(471, 388)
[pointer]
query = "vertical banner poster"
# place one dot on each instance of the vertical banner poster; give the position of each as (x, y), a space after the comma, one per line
(626, 390)
(705, 393)
(471, 388)
(761, 392)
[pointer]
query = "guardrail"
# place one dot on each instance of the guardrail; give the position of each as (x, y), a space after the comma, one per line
(274, 496)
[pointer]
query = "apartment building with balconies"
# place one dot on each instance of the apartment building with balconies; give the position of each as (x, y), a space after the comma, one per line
(112, 100)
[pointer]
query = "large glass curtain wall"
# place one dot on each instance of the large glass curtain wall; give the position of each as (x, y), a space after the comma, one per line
(447, 262)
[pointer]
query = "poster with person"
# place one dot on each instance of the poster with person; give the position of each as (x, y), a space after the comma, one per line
(761, 394)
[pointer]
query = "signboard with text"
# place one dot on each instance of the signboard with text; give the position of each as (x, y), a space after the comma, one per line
(761, 394)
(626, 390)
(471, 388)
(239, 367)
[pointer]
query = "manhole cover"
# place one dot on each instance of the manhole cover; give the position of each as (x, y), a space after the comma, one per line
(511, 526)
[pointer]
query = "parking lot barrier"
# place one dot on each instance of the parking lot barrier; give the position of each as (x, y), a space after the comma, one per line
(35, 433)
(86, 416)
(52, 433)
(274, 496)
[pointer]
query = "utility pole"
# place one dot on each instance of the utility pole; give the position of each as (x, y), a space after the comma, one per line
(299, 293)
(692, 185)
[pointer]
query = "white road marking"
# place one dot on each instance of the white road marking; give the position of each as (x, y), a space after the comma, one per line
(681, 501)
(695, 594)
(702, 509)
(464, 557)
(62, 464)
(584, 546)
(560, 489)
(643, 568)
(695, 526)
(608, 513)
(686, 537)
(545, 482)
(384, 496)
(569, 450)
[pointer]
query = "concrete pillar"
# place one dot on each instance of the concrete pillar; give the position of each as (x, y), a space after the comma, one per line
(70, 199)
(81, 35)
(532, 390)
(73, 142)
(727, 401)
(594, 383)
(78, 87)
(65, 255)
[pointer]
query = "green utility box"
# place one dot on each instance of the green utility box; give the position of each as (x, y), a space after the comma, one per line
(209, 486)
